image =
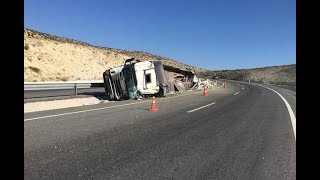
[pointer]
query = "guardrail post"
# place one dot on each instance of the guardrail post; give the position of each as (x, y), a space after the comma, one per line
(75, 90)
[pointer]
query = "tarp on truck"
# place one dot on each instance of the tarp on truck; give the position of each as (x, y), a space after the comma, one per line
(161, 78)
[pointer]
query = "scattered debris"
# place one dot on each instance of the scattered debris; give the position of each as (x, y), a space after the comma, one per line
(179, 86)
(104, 101)
(90, 103)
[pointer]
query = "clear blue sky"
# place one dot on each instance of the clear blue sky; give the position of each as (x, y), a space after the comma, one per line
(212, 34)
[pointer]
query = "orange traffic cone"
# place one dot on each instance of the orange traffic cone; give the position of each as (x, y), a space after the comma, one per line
(205, 91)
(153, 105)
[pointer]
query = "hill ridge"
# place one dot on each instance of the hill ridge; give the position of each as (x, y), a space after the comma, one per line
(36, 34)
(49, 57)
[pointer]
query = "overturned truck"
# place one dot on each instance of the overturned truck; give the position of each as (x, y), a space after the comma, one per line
(136, 79)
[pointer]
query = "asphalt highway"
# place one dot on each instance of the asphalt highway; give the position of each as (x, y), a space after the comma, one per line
(244, 131)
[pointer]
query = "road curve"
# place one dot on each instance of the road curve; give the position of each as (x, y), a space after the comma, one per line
(240, 132)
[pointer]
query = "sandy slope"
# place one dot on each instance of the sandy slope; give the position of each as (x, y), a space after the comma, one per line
(49, 60)
(52, 58)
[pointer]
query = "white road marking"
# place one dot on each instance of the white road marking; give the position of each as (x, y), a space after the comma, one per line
(236, 93)
(77, 112)
(243, 88)
(292, 116)
(200, 107)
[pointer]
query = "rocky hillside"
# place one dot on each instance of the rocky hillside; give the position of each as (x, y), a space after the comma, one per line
(280, 75)
(52, 58)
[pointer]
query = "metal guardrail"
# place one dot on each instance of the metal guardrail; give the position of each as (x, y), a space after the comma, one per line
(60, 86)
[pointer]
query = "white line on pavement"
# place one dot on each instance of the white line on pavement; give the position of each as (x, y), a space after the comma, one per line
(76, 112)
(236, 93)
(292, 116)
(200, 107)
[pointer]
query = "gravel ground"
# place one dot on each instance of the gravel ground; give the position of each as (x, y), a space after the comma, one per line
(64, 103)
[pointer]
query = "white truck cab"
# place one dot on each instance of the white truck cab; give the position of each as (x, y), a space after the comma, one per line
(146, 77)
(134, 79)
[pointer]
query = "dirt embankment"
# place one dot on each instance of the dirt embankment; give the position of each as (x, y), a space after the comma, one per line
(281, 75)
(52, 58)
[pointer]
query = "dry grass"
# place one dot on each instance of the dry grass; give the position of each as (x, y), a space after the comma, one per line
(34, 69)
